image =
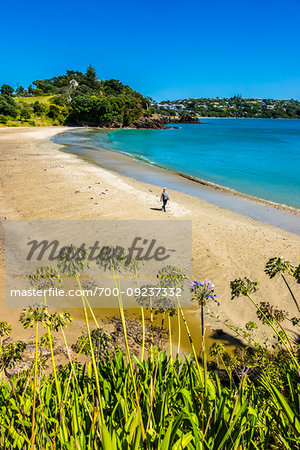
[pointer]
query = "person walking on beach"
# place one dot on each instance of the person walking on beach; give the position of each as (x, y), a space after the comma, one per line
(164, 198)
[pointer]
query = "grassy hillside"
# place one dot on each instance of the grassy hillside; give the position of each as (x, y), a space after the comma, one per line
(75, 98)
(45, 100)
(28, 114)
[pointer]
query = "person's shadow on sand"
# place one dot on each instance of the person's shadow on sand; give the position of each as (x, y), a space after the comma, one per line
(156, 209)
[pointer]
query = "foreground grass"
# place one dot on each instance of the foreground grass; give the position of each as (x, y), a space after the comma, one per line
(178, 406)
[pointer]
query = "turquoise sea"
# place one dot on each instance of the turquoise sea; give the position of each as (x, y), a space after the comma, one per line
(260, 157)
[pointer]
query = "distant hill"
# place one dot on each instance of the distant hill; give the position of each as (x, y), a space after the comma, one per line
(234, 107)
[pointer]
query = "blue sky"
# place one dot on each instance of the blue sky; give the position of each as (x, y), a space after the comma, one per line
(164, 49)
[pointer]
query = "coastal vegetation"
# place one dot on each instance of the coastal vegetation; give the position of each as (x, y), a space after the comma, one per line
(75, 98)
(115, 399)
(78, 98)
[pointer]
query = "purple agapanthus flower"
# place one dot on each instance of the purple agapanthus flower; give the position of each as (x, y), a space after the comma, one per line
(203, 291)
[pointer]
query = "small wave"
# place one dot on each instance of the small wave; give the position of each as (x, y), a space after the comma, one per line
(142, 158)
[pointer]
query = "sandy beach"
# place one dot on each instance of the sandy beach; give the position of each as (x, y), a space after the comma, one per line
(38, 181)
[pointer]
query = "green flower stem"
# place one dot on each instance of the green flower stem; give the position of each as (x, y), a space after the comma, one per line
(202, 321)
(65, 435)
(91, 311)
(228, 372)
(292, 295)
(144, 334)
(275, 331)
(128, 351)
(162, 328)
(44, 427)
(179, 334)
(76, 380)
(73, 371)
(286, 335)
(191, 342)
(170, 336)
(149, 421)
(203, 349)
(34, 384)
(92, 353)
(143, 317)
(53, 362)
(57, 387)
(151, 332)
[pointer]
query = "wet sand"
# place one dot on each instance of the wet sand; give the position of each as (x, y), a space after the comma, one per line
(39, 181)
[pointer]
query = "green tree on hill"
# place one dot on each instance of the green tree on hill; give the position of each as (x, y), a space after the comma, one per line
(43, 87)
(21, 91)
(38, 108)
(8, 107)
(7, 90)
(53, 112)
(25, 114)
(81, 109)
(91, 79)
(92, 102)
(113, 87)
(58, 100)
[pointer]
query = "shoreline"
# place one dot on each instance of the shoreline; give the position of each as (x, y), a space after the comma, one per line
(39, 181)
(266, 211)
(236, 193)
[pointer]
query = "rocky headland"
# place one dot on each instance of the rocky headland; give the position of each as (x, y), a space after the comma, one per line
(160, 121)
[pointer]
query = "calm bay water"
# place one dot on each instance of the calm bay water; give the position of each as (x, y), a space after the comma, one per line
(260, 157)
